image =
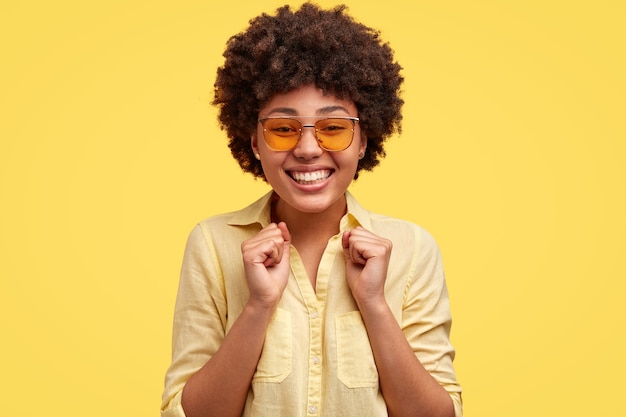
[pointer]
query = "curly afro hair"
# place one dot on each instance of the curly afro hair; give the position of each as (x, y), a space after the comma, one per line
(327, 48)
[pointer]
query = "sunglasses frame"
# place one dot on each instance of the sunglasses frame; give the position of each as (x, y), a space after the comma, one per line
(302, 126)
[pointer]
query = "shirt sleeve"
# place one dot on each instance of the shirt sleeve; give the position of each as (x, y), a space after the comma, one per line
(199, 319)
(426, 317)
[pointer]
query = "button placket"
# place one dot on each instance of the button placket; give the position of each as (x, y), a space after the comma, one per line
(315, 370)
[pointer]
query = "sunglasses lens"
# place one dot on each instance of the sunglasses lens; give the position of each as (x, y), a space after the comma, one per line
(281, 134)
(335, 134)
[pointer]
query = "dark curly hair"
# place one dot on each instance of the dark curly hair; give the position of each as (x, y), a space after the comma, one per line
(327, 48)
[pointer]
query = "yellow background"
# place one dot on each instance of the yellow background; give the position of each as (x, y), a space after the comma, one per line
(512, 156)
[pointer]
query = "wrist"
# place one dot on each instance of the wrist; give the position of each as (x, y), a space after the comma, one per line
(373, 305)
(260, 308)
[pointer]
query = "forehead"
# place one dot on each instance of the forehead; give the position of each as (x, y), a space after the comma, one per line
(307, 100)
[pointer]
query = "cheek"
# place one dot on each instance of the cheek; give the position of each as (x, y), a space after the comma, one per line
(348, 161)
(271, 162)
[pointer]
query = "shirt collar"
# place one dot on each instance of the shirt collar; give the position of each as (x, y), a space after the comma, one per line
(260, 212)
(356, 215)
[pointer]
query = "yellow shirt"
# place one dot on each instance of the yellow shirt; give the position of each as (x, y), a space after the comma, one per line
(316, 360)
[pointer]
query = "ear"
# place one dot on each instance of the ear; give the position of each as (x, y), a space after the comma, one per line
(363, 144)
(254, 144)
(255, 148)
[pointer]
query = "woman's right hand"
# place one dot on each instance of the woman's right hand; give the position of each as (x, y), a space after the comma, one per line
(266, 264)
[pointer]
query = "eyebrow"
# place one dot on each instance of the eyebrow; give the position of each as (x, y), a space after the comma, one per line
(322, 111)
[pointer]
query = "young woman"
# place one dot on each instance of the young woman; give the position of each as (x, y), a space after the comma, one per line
(304, 303)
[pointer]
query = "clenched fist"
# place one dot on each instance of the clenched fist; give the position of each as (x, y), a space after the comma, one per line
(266, 263)
(367, 259)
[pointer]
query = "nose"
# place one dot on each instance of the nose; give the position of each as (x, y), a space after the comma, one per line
(307, 147)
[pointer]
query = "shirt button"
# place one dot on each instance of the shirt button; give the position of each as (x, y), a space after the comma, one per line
(316, 360)
(312, 409)
(315, 314)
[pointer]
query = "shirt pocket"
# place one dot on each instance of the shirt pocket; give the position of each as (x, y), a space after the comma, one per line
(276, 358)
(355, 360)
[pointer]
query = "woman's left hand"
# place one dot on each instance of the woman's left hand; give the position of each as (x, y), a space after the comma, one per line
(367, 259)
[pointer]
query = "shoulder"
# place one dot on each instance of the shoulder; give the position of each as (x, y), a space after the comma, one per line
(402, 232)
(399, 231)
(216, 222)
(218, 234)
(235, 223)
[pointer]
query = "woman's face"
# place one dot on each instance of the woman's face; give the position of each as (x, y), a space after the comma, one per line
(308, 178)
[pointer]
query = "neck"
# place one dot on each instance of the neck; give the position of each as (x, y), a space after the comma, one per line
(305, 226)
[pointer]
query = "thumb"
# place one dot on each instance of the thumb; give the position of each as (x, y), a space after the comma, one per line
(285, 231)
(286, 240)
(351, 251)
(345, 244)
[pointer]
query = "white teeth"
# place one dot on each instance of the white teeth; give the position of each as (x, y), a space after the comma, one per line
(310, 176)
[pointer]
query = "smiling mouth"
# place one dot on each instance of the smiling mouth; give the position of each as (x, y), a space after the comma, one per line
(313, 177)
